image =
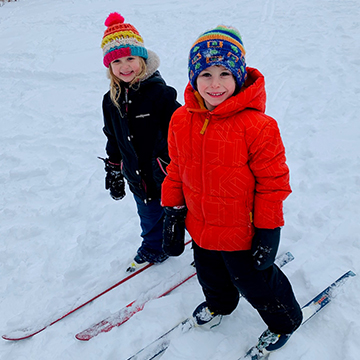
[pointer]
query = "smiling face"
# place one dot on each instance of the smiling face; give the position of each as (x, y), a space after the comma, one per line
(215, 84)
(126, 68)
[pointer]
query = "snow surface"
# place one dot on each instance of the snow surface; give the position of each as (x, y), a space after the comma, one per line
(64, 239)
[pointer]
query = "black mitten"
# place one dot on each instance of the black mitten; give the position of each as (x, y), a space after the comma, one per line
(264, 247)
(114, 180)
(174, 230)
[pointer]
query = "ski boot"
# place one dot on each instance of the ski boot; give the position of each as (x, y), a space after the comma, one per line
(202, 315)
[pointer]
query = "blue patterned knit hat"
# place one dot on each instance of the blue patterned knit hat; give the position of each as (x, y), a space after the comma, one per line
(220, 46)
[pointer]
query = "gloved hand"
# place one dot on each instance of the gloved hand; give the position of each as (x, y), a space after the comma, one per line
(264, 247)
(114, 180)
(174, 230)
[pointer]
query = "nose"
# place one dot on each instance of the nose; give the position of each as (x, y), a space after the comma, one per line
(215, 82)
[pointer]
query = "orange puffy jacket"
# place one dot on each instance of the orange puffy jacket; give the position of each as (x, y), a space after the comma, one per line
(228, 167)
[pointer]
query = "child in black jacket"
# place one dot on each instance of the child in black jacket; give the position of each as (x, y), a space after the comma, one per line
(137, 111)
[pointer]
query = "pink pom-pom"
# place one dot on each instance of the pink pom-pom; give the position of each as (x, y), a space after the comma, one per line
(114, 18)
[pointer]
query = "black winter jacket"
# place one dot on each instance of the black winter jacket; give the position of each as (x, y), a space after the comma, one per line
(137, 134)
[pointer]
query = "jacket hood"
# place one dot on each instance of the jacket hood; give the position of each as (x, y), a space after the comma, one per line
(152, 74)
(251, 96)
(152, 63)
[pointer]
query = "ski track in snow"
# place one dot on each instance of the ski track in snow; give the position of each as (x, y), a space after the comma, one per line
(64, 239)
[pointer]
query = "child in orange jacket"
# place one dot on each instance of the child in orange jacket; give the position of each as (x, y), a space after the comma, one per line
(226, 182)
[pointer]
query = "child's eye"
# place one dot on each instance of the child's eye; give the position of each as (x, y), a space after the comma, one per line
(205, 74)
(225, 73)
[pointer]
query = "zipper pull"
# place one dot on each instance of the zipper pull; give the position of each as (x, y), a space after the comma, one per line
(206, 122)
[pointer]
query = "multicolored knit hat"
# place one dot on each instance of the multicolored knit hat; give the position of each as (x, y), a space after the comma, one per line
(220, 46)
(121, 40)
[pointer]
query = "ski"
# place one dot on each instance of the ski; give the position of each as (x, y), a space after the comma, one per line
(309, 310)
(131, 309)
(157, 348)
(26, 333)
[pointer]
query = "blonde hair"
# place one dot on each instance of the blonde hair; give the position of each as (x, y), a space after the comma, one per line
(115, 82)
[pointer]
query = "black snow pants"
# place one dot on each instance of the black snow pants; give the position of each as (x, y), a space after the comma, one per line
(224, 274)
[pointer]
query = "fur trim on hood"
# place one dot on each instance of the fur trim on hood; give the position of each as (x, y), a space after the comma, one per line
(152, 63)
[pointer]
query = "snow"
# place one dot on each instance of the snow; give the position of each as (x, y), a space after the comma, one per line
(64, 239)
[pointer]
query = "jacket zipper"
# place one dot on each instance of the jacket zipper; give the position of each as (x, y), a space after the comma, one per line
(202, 132)
(142, 184)
(126, 100)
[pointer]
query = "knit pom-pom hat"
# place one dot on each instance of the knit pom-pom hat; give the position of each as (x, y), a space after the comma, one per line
(121, 40)
(220, 46)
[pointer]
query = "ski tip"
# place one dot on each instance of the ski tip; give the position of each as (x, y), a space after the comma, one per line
(351, 273)
(82, 337)
(22, 334)
(12, 338)
(16, 338)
